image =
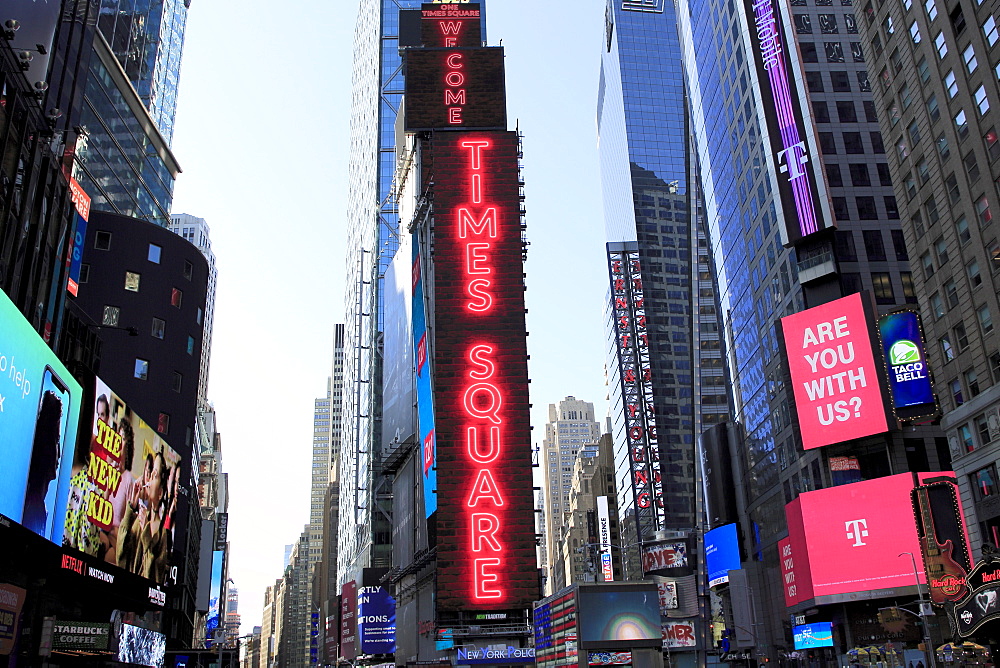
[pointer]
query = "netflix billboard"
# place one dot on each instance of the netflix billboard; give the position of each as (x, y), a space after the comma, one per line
(485, 518)
(835, 377)
(844, 543)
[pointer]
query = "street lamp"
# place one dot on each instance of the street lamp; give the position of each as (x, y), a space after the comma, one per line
(924, 605)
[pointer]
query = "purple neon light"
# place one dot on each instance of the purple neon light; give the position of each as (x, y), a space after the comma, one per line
(801, 187)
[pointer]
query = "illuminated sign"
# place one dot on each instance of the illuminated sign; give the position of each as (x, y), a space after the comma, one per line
(835, 379)
(619, 616)
(666, 556)
(844, 542)
(604, 535)
(425, 392)
(74, 260)
(817, 634)
(39, 413)
(450, 26)
(348, 620)
(944, 544)
(906, 361)
(793, 148)
(376, 621)
(11, 602)
(141, 647)
(722, 554)
(80, 635)
(455, 88)
(504, 655)
(678, 634)
(486, 549)
(635, 377)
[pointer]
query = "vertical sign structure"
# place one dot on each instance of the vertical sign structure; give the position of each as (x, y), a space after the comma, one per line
(486, 547)
(838, 396)
(74, 260)
(793, 148)
(637, 390)
(425, 390)
(604, 533)
(944, 544)
(906, 361)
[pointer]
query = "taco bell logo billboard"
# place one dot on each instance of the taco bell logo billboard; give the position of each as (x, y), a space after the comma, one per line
(835, 379)
(905, 359)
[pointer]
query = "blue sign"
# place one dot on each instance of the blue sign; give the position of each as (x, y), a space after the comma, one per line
(39, 415)
(722, 554)
(376, 621)
(425, 390)
(905, 359)
(817, 634)
(506, 655)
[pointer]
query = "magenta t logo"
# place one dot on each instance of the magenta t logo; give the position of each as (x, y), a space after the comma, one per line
(856, 530)
(792, 159)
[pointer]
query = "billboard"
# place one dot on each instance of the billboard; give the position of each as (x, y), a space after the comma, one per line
(376, 621)
(141, 647)
(944, 544)
(80, 635)
(348, 620)
(123, 491)
(604, 537)
(788, 126)
(397, 374)
(485, 523)
(817, 634)
(623, 617)
(844, 543)
(11, 602)
(425, 387)
(678, 635)
(212, 626)
(664, 556)
(81, 201)
(39, 415)
(835, 379)
(722, 554)
(906, 362)
(454, 88)
(450, 25)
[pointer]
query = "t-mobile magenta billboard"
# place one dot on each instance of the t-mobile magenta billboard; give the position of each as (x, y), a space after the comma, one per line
(835, 380)
(844, 543)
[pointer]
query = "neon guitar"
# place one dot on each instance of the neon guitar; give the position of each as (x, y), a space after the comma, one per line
(946, 578)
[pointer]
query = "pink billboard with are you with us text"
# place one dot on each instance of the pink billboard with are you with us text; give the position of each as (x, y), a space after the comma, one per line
(835, 377)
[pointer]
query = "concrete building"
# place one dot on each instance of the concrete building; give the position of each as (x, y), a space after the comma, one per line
(571, 426)
(272, 624)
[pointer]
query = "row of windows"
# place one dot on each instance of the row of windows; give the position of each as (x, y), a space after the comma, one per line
(840, 81)
(881, 286)
(102, 241)
(865, 207)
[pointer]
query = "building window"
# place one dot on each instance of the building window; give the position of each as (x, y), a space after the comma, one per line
(803, 24)
(866, 208)
(190, 345)
(84, 273)
(947, 350)
(942, 146)
(941, 246)
(985, 319)
(841, 83)
(874, 248)
(199, 315)
(992, 144)
(833, 176)
(951, 292)
(915, 32)
(975, 278)
(930, 204)
(932, 108)
(894, 114)
(961, 337)
(154, 253)
(188, 270)
(882, 287)
(141, 369)
(969, 56)
(928, 264)
(982, 430)
(814, 81)
(852, 143)
(891, 209)
(982, 102)
(951, 185)
(847, 112)
(962, 229)
(924, 70)
(877, 145)
(985, 481)
(910, 184)
(884, 177)
(972, 382)
(132, 281)
(102, 240)
(951, 83)
(983, 210)
(937, 305)
(821, 112)
(178, 382)
(961, 125)
(175, 297)
(859, 174)
(995, 366)
(968, 442)
(931, 8)
(809, 54)
(110, 316)
(909, 293)
(158, 327)
(956, 394)
(163, 423)
(990, 30)
(941, 45)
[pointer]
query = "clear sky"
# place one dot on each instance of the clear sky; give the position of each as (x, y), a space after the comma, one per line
(262, 135)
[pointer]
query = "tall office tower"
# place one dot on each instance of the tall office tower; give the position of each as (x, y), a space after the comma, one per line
(232, 615)
(196, 231)
(147, 38)
(297, 612)
(800, 212)
(320, 472)
(272, 623)
(936, 85)
(336, 400)
(372, 241)
(571, 426)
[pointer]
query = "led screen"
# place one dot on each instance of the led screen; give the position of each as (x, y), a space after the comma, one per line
(906, 360)
(141, 647)
(454, 89)
(848, 539)
(39, 413)
(123, 491)
(834, 375)
(376, 621)
(607, 617)
(450, 25)
(722, 554)
(817, 634)
(212, 628)
(486, 547)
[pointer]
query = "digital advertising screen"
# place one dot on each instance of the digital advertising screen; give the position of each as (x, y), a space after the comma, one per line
(722, 554)
(376, 621)
(123, 491)
(455, 88)
(424, 386)
(485, 539)
(835, 379)
(11, 602)
(846, 540)
(449, 25)
(212, 620)
(817, 634)
(39, 417)
(141, 647)
(81, 201)
(620, 618)
(906, 361)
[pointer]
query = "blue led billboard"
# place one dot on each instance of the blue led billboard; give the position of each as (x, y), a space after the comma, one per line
(905, 359)
(39, 415)
(722, 554)
(817, 634)
(376, 621)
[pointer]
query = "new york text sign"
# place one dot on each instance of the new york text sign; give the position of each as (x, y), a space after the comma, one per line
(835, 379)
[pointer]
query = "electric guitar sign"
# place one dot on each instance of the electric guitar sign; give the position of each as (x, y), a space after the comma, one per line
(947, 576)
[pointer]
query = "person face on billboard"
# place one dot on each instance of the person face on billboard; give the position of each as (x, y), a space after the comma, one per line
(103, 409)
(45, 452)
